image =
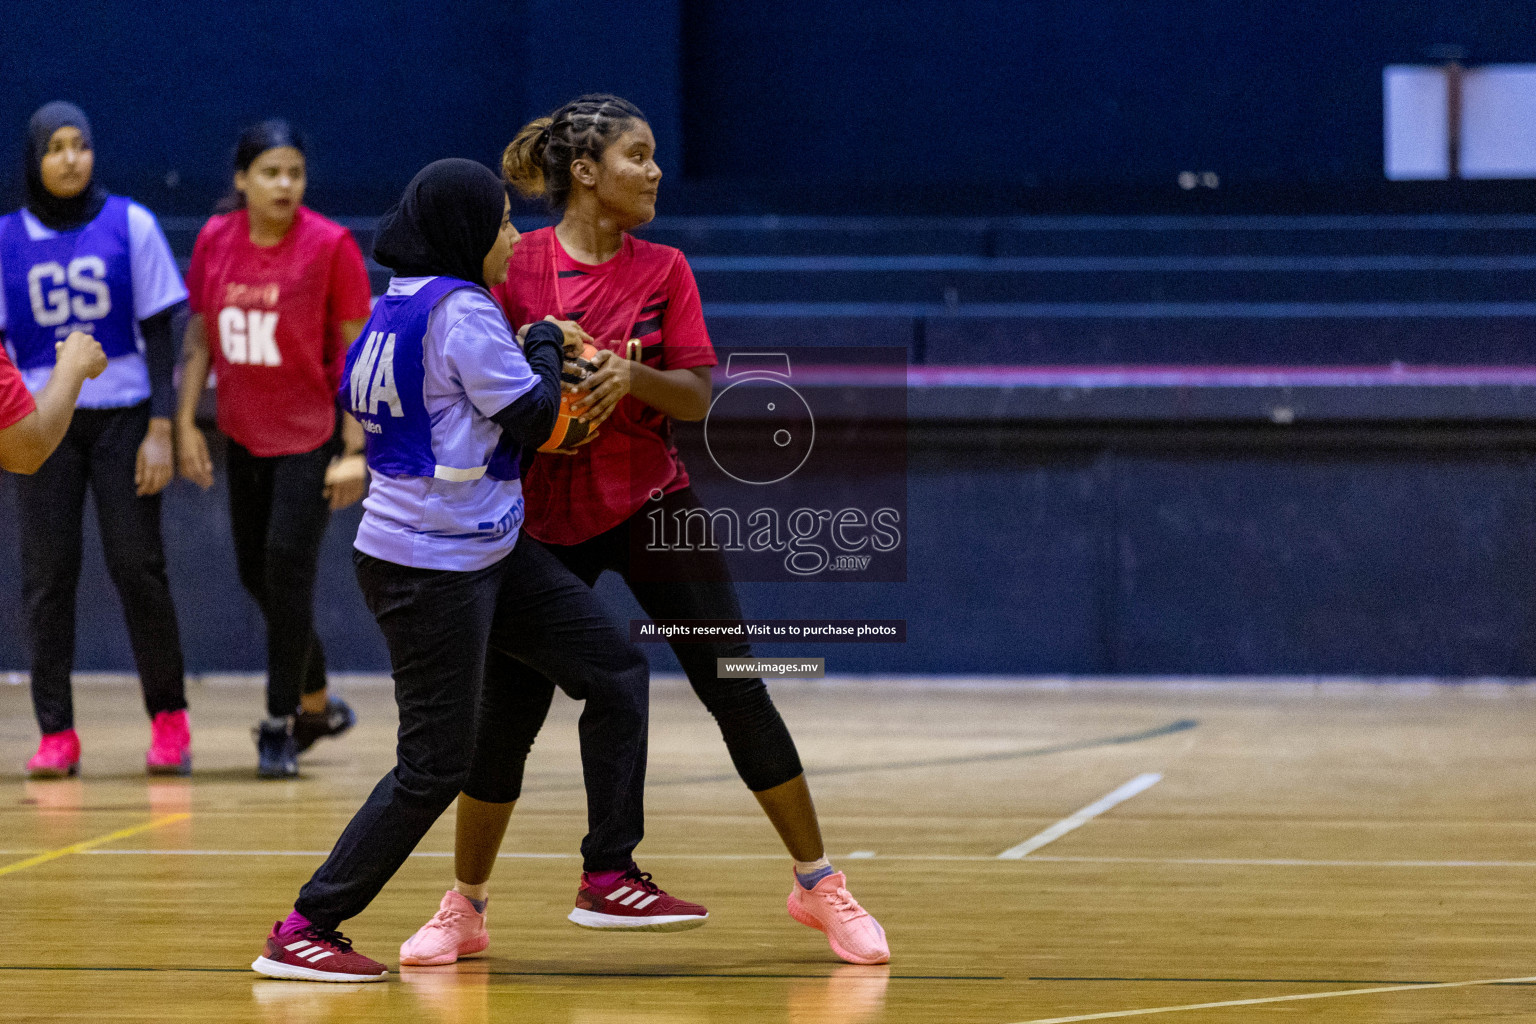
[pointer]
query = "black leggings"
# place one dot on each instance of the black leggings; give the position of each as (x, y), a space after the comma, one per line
(755, 735)
(278, 514)
(100, 449)
(438, 626)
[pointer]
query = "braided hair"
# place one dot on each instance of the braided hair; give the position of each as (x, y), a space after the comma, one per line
(538, 161)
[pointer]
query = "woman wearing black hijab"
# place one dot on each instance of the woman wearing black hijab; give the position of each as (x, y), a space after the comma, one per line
(76, 258)
(447, 398)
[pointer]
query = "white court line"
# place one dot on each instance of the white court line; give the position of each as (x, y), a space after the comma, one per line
(867, 855)
(1292, 862)
(1137, 785)
(1279, 999)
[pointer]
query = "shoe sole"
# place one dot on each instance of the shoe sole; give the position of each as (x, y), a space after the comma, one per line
(182, 767)
(293, 972)
(446, 958)
(806, 918)
(276, 775)
(54, 773)
(615, 923)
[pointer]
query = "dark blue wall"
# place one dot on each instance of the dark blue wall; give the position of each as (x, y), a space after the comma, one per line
(1078, 550)
(1089, 550)
(1058, 91)
(380, 88)
(765, 105)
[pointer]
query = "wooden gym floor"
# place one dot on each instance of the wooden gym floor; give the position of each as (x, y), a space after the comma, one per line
(1339, 852)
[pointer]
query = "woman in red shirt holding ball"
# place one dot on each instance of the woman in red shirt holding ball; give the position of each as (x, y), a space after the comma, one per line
(594, 161)
(278, 292)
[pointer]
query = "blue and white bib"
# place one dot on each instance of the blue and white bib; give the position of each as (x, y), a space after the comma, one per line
(78, 280)
(434, 363)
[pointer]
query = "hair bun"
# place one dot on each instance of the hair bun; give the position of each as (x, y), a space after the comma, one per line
(522, 162)
(538, 161)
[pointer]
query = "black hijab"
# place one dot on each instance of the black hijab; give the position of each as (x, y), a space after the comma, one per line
(444, 224)
(58, 214)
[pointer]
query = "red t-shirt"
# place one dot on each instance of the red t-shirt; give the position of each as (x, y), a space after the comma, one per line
(646, 292)
(274, 320)
(16, 402)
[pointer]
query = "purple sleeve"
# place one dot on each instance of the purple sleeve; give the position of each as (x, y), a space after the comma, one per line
(482, 355)
(156, 281)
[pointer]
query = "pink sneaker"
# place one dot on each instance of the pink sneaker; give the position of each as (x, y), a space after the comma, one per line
(634, 903)
(457, 929)
(170, 744)
(58, 756)
(831, 908)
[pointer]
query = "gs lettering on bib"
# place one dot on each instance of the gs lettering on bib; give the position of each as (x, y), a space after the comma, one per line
(79, 280)
(382, 387)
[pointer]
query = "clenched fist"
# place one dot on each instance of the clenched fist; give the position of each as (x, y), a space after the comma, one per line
(80, 354)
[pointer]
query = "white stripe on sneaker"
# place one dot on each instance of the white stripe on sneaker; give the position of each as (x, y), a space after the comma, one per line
(626, 901)
(321, 956)
(620, 891)
(646, 902)
(293, 947)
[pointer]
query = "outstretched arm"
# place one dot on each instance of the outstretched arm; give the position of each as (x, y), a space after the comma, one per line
(26, 444)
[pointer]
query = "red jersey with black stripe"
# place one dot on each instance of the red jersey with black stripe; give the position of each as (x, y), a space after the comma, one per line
(646, 293)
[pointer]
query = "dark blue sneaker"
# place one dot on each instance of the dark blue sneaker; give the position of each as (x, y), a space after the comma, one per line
(336, 719)
(276, 757)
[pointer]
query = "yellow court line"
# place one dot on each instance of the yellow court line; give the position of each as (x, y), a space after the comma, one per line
(80, 847)
(1279, 999)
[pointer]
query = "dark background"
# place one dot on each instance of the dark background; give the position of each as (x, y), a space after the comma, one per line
(1013, 171)
(969, 106)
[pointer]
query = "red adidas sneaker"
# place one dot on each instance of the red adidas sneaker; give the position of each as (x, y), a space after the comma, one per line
(634, 903)
(314, 954)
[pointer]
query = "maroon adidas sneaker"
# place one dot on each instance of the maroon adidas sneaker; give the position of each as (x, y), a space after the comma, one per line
(634, 903)
(314, 954)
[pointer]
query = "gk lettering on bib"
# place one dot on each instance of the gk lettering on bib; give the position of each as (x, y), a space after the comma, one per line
(249, 336)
